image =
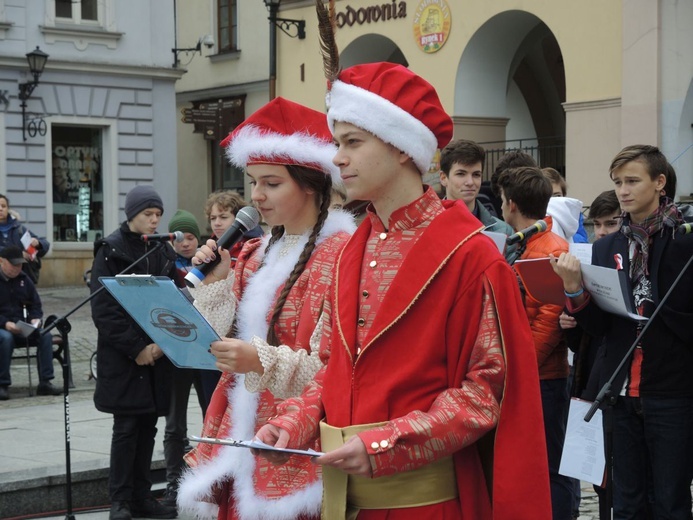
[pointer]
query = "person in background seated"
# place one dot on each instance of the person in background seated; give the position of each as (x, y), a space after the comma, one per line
(19, 301)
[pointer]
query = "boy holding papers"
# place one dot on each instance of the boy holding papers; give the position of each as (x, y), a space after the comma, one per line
(653, 414)
(525, 194)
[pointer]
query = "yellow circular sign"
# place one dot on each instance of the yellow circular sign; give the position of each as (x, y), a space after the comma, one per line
(432, 25)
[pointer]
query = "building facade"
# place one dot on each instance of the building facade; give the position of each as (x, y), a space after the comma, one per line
(100, 121)
(225, 81)
(573, 82)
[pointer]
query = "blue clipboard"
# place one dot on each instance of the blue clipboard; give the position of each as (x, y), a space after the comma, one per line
(167, 317)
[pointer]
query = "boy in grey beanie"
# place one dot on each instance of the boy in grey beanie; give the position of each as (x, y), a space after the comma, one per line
(140, 198)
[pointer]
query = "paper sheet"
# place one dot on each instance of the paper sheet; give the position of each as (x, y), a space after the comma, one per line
(583, 450)
(608, 290)
(498, 239)
(26, 329)
(26, 242)
(583, 252)
(254, 444)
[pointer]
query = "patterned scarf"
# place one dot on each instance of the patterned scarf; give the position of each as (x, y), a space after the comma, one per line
(666, 217)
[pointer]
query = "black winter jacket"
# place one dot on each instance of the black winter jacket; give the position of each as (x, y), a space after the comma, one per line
(668, 343)
(123, 386)
(15, 292)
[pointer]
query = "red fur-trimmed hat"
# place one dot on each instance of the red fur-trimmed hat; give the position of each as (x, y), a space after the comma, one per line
(395, 105)
(286, 133)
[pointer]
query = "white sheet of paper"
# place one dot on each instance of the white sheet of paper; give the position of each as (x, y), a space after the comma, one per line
(583, 252)
(26, 329)
(256, 444)
(26, 242)
(604, 285)
(498, 239)
(583, 449)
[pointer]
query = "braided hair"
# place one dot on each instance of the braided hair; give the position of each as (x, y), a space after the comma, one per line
(321, 184)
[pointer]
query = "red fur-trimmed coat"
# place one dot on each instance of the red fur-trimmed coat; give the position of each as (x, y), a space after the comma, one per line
(448, 360)
(230, 482)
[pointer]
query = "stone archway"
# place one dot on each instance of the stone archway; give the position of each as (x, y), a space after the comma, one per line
(371, 48)
(510, 86)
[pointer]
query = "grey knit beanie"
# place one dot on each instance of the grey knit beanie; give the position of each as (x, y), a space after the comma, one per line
(140, 198)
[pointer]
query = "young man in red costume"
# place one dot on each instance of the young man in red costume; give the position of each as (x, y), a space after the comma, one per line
(430, 400)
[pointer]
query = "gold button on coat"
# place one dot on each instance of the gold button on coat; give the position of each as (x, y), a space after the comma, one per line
(374, 445)
(384, 444)
(383, 236)
(373, 263)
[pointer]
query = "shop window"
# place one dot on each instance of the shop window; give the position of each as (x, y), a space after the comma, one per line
(225, 175)
(77, 183)
(78, 11)
(227, 18)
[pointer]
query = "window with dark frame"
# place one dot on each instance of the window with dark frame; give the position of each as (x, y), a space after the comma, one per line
(88, 10)
(227, 17)
(77, 183)
(225, 175)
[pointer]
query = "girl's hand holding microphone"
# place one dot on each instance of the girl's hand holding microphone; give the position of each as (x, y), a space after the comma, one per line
(209, 253)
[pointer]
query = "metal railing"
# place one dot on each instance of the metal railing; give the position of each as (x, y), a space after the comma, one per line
(547, 151)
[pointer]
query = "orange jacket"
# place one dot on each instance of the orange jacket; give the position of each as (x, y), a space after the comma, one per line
(552, 352)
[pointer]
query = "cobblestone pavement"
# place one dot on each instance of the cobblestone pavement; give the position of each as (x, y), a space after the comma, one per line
(82, 338)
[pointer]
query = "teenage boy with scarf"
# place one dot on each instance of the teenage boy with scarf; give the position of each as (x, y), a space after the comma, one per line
(653, 414)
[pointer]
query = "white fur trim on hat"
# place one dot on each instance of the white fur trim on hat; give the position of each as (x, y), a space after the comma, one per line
(252, 143)
(375, 114)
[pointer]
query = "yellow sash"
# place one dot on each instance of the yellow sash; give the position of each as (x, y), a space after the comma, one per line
(344, 495)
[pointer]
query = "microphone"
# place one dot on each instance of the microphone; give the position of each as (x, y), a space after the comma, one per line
(535, 228)
(246, 219)
(176, 236)
(684, 229)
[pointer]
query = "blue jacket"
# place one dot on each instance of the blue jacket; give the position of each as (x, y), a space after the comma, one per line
(13, 236)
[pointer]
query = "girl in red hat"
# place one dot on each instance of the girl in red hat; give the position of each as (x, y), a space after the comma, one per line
(271, 308)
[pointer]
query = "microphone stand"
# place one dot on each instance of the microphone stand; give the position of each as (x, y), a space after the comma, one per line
(64, 327)
(609, 400)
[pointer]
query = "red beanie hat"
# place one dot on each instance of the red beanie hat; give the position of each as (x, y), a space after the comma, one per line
(395, 105)
(286, 133)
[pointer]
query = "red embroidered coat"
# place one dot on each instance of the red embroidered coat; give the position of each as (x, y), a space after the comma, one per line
(447, 360)
(241, 485)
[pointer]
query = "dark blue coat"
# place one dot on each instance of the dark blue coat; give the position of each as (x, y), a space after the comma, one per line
(13, 293)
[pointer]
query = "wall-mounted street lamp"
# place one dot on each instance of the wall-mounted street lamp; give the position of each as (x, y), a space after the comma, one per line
(205, 40)
(286, 25)
(37, 61)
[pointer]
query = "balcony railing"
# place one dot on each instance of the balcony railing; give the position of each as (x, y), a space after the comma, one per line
(547, 151)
